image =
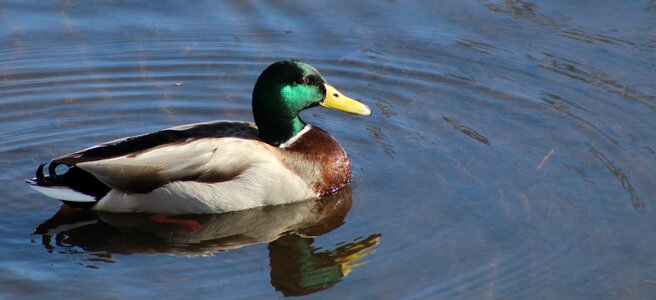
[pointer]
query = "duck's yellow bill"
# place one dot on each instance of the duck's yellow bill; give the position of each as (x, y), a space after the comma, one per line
(335, 100)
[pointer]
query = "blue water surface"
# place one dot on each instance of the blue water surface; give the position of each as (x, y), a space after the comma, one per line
(511, 153)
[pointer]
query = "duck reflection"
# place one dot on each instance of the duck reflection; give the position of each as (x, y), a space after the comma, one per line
(297, 267)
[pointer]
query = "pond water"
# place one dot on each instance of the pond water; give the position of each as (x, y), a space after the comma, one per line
(511, 152)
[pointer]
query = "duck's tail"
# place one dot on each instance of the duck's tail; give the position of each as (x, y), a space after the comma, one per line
(76, 187)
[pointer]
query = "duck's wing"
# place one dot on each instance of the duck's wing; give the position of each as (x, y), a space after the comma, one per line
(142, 163)
(202, 160)
(171, 136)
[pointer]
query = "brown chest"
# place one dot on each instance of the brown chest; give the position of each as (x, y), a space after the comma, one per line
(317, 157)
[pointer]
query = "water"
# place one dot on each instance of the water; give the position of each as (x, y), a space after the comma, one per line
(511, 152)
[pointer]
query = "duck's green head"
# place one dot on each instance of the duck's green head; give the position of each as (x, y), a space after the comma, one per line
(286, 88)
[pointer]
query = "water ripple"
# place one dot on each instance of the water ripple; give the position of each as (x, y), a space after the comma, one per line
(553, 200)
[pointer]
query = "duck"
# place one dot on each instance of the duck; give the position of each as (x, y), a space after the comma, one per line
(216, 166)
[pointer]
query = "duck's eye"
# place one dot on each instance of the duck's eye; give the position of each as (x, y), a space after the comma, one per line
(302, 80)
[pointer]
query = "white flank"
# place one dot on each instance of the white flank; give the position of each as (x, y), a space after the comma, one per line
(63, 193)
(258, 178)
(295, 137)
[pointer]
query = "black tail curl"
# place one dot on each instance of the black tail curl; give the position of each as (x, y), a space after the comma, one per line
(40, 179)
(74, 178)
(51, 179)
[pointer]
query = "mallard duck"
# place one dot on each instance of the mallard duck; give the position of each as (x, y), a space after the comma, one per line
(217, 166)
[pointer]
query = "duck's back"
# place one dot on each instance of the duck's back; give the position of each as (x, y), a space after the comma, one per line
(171, 136)
(84, 189)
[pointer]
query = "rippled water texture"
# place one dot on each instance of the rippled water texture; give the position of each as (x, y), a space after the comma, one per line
(511, 152)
